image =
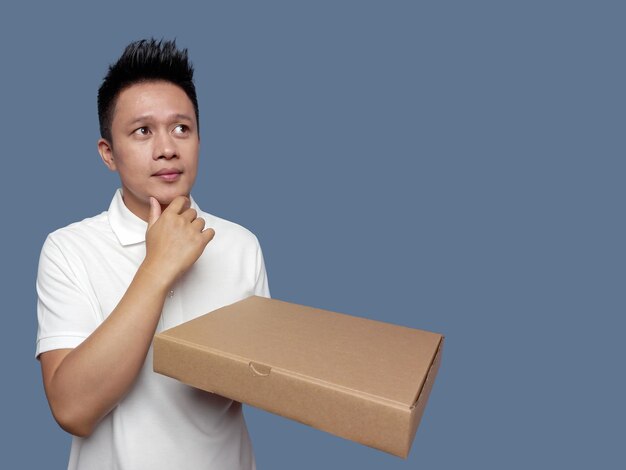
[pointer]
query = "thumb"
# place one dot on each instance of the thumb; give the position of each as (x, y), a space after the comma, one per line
(155, 212)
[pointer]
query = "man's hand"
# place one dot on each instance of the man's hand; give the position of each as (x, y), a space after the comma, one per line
(175, 239)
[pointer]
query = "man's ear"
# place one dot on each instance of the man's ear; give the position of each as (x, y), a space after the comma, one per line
(105, 149)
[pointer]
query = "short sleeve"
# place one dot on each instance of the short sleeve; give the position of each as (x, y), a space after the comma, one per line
(261, 287)
(64, 313)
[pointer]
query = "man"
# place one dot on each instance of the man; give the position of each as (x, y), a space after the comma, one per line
(152, 261)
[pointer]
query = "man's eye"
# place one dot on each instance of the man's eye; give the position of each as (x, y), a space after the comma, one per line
(181, 129)
(142, 131)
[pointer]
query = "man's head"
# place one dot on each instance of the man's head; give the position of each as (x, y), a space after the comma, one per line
(149, 123)
(144, 60)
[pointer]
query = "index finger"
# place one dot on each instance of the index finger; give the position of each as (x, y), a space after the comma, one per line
(179, 205)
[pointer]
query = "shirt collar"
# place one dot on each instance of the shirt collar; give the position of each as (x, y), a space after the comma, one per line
(128, 228)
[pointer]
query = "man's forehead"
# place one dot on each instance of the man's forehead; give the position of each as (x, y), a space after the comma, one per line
(158, 100)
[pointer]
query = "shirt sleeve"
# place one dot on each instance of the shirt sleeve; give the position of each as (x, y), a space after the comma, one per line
(64, 313)
(261, 287)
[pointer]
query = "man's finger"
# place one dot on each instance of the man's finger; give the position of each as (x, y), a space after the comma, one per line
(187, 203)
(198, 223)
(208, 234)
(190, 215)
(179, 204)
(155, 212)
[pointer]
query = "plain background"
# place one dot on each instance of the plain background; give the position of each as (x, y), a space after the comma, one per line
(452, 166)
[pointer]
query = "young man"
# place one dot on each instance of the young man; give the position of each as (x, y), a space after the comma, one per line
(152, 261)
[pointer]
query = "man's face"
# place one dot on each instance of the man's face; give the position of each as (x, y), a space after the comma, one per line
(155, 144)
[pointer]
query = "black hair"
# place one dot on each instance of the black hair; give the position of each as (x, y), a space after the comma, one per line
(144, 61)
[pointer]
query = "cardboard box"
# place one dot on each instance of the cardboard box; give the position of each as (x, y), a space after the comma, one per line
(360, 379)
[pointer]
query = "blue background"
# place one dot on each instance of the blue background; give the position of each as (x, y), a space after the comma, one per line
(451, 166)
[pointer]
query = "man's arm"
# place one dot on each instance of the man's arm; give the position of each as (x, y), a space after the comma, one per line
(85, 383)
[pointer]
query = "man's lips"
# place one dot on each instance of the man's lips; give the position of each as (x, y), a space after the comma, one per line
(168, 174)
(167, 171)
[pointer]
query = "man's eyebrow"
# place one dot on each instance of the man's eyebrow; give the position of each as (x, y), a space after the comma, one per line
(183, 117)
(174, 117)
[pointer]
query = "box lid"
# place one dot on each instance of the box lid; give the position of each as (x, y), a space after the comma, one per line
(367, 357)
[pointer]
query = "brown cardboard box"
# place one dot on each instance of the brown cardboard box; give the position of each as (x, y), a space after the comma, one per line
(360, 379)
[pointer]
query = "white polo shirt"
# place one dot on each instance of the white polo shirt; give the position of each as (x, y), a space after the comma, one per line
(84, 270)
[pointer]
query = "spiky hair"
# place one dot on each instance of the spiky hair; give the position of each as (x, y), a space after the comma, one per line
(143, 61)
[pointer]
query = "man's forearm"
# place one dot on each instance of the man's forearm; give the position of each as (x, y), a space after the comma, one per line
(91, 379)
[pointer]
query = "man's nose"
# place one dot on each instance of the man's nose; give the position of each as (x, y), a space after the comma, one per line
(165, 147)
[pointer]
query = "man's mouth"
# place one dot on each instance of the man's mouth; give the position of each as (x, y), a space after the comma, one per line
(168, 174)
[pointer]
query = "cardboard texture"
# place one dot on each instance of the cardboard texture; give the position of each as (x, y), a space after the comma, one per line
(360, 379)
